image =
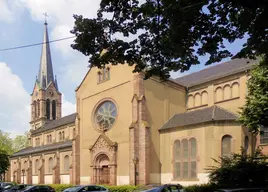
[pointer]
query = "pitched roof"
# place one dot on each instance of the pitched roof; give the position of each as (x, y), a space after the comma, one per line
(56, 123)
(31, 150)
(213, 113)
(214, 72)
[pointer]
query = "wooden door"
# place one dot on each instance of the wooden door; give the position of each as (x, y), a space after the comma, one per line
(105, 175)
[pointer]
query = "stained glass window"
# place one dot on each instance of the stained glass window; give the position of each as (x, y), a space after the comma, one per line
(105, 115)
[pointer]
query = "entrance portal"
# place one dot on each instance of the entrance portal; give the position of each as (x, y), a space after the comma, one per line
(102, 170)
(105, 174)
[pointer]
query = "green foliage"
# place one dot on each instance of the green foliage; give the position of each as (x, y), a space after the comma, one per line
(4, 161)
(121, 188)
(240, 170)
(20, 142)
(165, 35)
(60, 187)
(201, 188)
(6, 142)
(254, 114)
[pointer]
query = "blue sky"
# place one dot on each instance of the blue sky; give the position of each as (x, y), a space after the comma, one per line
(21, 23)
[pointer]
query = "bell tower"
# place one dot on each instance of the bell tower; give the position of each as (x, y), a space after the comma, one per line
(46, 98)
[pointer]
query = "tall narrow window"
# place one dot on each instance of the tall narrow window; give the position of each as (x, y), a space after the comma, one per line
(50, 165)
(48, 109)
(73, 132)
(63, 135)
(99, 77)
(226, 145)
(185, 163)
(66, 163)
(48, 141)
(36, 166)
(53, 109)
(38, 108)
(25, 165)
(50, 138)
(192, 167)
(107, 73)
(60, 136)
(177, 159)
(35, 109)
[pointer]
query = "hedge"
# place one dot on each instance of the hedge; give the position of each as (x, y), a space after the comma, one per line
(130, 188)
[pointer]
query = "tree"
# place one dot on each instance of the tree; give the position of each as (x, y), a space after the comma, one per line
(20, 142)
(6, 142)
(240, 171)
(254, 114)
(4, 161)
(170, 35)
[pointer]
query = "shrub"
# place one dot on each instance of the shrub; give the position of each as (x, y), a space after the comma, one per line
(121, 188)
(201, 188)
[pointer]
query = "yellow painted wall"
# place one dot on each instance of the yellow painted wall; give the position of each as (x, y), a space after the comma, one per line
(120, 89)
(163, 100)
(220, 92)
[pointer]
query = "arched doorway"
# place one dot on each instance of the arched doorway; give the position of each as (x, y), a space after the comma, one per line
(102, 169)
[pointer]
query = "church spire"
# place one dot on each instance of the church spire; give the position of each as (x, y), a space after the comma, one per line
(46, 70)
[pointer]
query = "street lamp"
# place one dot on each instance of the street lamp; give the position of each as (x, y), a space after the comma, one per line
(135, 162)
(23, 171)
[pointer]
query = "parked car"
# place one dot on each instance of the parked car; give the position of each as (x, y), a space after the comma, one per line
(161, 188)
(40, 188)
(16, 188)
(6, 185)
(243, 189)
(83, 188)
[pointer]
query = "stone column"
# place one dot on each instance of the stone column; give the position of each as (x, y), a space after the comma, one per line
(112, 174)
(29, 173)
(76, 154)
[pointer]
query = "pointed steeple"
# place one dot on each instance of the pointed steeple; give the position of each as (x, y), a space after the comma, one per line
(46, 70)
(56, 83)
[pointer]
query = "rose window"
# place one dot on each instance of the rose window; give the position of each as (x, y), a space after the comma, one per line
(105, 115)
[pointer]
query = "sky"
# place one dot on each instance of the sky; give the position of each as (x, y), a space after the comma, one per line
(22, 23)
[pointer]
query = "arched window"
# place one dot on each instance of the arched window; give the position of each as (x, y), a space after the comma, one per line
(25, 165)
(38, 108)
(36, 166)
(177, 159)
(226, 92)
(235, 90)
(218, 94)
(48, 109)
(73, 132)
(226, 145)
(197, 99)
(60, 136)
(190, 101)
(63, 135)
(50, 138)
(246, 144)
(53, 109)
(48, 141)
(66, 163)
(107, 73)
(99, 77)
(185, 163)
(50, 165)
(35, 109)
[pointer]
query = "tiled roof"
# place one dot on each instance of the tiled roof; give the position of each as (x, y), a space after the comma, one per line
(31, 150)
(56, 123)
(218, 71)
(214, 113)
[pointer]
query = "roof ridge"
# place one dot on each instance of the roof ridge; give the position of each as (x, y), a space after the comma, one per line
(215, 65)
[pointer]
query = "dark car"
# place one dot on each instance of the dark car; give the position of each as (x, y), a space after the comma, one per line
(161, 188)
(4, 186)
(40, 188)
(243, 189)
(16, 188)
(84, 188)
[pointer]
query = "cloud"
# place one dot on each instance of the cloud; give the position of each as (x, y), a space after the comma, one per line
(67, 107)
(14, 102)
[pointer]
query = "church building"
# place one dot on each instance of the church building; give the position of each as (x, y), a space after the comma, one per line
(128, 130)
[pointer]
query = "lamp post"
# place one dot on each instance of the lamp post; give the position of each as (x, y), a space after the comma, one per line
(135, 162)
(23, 171)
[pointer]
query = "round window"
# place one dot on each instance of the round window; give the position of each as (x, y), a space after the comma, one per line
(105, 115)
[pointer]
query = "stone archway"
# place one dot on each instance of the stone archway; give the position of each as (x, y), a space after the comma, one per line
(101, 170)
(103, 161)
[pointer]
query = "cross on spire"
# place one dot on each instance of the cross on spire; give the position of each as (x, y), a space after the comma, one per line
(46, 15)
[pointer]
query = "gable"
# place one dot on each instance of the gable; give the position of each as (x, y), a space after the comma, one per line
(119, 74)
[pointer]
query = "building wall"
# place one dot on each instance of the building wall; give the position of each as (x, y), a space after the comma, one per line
(208, 138)
(163, 100)
(90, 94)
(228, 92)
